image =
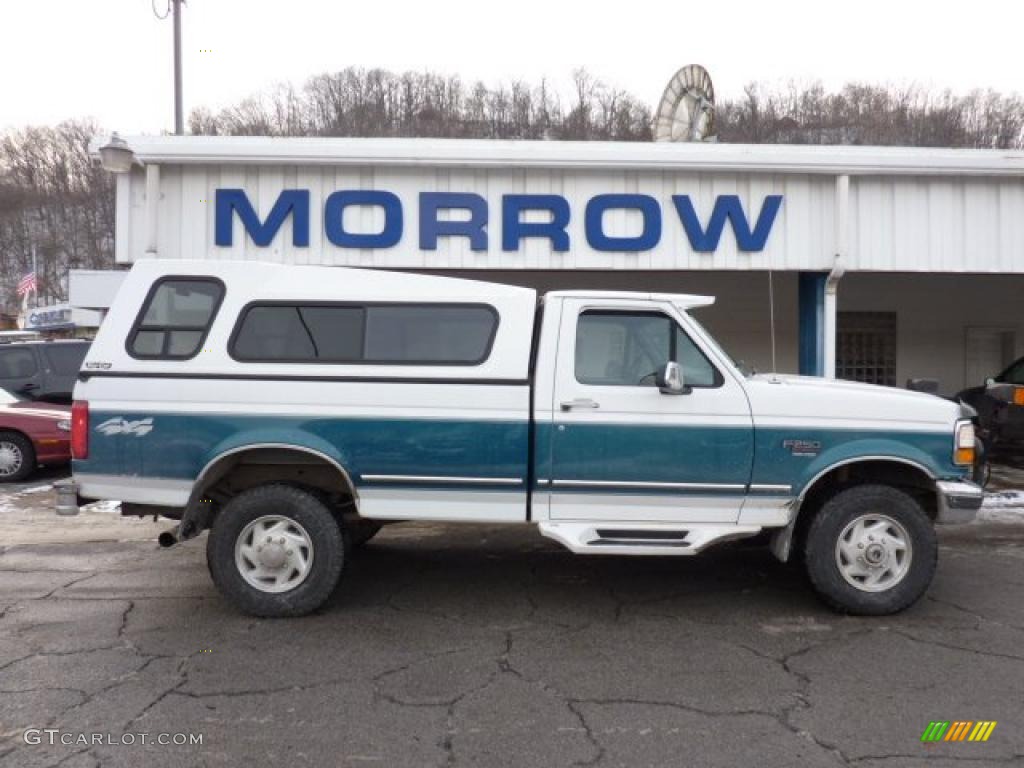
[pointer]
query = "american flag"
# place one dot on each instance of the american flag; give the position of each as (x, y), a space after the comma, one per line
(27, 284)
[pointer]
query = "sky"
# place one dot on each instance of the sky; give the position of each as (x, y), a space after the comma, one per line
(112, 59)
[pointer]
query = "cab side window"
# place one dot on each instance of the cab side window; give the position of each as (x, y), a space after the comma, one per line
(175, 318)
(629, 349)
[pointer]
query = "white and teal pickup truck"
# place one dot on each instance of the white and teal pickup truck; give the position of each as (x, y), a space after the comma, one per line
(294, 410)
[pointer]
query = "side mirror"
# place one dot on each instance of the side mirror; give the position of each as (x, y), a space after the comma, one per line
(670, 380)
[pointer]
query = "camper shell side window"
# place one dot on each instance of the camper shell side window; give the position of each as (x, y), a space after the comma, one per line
(364, 333)
(175, 318)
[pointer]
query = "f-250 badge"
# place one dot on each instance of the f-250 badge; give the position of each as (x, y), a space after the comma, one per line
(802, 447)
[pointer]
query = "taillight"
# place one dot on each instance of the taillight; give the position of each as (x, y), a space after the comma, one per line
(80, 429)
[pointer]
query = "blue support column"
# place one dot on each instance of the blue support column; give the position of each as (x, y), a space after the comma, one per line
(812, 323)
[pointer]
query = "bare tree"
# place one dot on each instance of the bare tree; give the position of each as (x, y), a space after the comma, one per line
(53, 197)
(358, 102)
(863, 113)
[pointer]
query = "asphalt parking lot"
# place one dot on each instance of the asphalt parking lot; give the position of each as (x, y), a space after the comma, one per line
(485, 646)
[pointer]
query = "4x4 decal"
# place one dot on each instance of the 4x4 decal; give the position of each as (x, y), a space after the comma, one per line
(121, 426)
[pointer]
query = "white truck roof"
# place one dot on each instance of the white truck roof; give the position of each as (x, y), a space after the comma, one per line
(284, 281)
(682, 300)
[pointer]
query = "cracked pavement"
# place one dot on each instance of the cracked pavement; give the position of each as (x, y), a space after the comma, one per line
(489, 646)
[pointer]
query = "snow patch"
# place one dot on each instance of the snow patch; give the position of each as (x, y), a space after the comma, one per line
(1004, 499)
(102, 506)
(35, 489)
(1003, 507)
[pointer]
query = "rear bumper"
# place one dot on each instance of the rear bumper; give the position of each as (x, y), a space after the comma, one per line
(959, 501)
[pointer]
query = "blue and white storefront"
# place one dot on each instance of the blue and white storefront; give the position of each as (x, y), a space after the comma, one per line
(870, 263)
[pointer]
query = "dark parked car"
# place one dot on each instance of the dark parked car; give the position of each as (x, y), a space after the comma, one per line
(1000, 406)
(42, 370)
(31, 434)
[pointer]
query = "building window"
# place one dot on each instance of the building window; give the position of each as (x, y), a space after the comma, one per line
(175, 318)
(381, 334)
(866, 347)
(629, 349)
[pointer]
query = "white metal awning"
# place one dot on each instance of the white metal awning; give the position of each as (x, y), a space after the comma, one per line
(620, 206)
(601, 155)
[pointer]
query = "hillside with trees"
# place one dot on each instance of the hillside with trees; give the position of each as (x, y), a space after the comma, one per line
(53, 197)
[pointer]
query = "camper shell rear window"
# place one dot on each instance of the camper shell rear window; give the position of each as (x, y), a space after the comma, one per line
(175, 318)
(364, 333)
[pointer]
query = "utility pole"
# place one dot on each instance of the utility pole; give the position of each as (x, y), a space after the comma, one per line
(179, 116)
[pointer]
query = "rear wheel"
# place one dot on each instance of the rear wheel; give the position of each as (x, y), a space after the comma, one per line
(276, 551)
(871, 550)
(17, 457)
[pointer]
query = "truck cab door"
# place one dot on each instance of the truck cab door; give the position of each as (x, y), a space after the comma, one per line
(623, 451)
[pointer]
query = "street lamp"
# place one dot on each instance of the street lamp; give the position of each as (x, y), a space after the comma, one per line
(116, 156)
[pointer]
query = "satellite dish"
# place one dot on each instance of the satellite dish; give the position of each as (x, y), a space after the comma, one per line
(687, 110)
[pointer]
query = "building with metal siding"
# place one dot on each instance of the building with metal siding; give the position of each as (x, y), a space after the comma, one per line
(925, 247)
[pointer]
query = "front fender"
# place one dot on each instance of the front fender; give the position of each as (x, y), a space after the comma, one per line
(794, 456)
(926, 453)
(873, 449)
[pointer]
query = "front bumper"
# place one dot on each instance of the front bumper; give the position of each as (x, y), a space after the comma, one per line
(959, 501)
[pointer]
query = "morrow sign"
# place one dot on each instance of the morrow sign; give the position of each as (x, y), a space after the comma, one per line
(467, 215)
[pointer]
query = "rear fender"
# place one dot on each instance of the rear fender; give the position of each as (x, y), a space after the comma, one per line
(197, 514)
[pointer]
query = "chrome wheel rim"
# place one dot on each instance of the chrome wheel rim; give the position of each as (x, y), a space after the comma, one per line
(873, 553)
(274, 553)
(10, 458)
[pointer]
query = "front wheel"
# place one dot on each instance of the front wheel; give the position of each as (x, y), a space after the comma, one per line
(871, 550)
(276, 551)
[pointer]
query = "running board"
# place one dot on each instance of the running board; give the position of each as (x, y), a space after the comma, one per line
(600, 538)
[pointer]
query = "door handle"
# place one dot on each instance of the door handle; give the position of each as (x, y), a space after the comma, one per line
(579, 402)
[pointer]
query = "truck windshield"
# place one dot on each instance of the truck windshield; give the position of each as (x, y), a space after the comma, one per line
(710, 339)
(1014, 374)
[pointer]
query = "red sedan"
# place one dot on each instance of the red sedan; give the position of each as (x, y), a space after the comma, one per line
(31, 434)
